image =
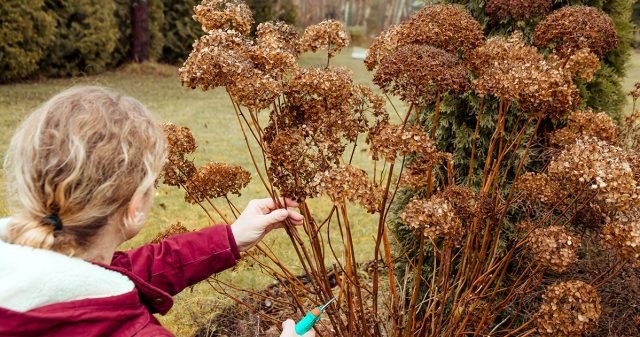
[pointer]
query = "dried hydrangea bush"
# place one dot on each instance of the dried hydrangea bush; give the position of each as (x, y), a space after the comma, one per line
(481, 248)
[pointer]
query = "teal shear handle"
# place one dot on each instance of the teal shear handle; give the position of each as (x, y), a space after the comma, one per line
(311, 318)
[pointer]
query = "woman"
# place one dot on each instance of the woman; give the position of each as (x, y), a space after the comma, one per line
(81, 172)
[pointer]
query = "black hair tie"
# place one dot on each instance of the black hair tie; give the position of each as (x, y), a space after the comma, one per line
(53, 220)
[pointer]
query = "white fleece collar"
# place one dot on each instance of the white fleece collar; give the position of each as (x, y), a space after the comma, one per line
(31, 278)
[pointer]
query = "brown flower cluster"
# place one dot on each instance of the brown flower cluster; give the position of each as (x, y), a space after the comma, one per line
(435, 217)
(348, 183)
(391, 141)
(324, 111)
(510, 69)
(596, 165)
(328, 34)
(294, 163)
(416, 172)
(568, 309)
(572, 28)
(224, 14)
(464, 201)
(517, 9)
(582, 65)
(553, 247)
(172, 230)
(216, 180)
(443, 27)
(623, 235)
(325, 104)
(383, 45)
(216, 59)
(586, 123)
(255, 89)
(180, 142)
(416, 73)
(251, 71)
(446, 27)
(276, 47)
(537, 187)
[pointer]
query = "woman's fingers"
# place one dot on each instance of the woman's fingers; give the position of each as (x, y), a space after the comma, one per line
(289, 330)
(270, 204)
(295, 217)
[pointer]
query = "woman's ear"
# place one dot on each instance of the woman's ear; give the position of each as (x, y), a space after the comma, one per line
(136, 213)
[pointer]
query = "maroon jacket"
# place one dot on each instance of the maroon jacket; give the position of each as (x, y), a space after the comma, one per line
(158, 271)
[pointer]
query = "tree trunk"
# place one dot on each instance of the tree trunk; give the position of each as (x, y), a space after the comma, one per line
(140, 41)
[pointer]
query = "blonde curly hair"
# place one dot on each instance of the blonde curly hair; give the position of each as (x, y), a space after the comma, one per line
(82, 157)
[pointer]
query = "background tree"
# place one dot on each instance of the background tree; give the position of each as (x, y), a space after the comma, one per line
(140, 40)
(86, 36)
(27, 32)
(122, 52)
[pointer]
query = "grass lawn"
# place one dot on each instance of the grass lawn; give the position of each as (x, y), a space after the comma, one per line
(212, 120)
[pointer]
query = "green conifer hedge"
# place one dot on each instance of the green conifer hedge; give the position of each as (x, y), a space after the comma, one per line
(27, 31)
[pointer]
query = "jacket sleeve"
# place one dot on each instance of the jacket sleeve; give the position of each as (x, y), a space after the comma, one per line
(182, 260)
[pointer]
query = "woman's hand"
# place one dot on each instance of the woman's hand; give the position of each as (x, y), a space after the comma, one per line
(289, 330)
(259, 218)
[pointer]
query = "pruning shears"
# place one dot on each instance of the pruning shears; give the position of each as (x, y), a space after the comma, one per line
(311, 318)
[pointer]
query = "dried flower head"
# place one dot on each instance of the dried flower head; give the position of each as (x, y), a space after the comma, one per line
(582, 65)
(553, 247)
(510, 69)
(294, 163)
(435, 217)
(276, 47)
(391, 141)
(572, 28)
(308, 135)
(446, 27)
(328, 107)
(328, 34)
(416, 73)
(217, 59)
(596, 165)
(517, 9)
(224, 14)
(416, 173)
(178, 169)
(254, 89)
(568, 309)
(180, 140)
(623, 235)
(464, 201)
(216, 180)
(330, 84)
(383, 45)
(537, 187)
(172, 230)
(586, 123)
(348, 183)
